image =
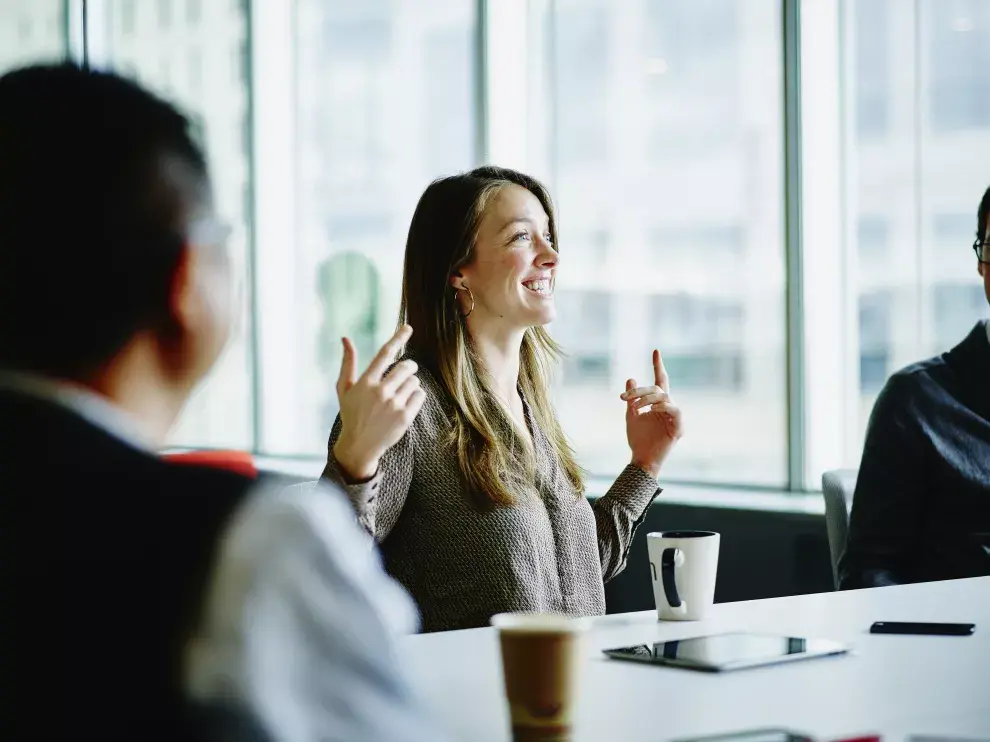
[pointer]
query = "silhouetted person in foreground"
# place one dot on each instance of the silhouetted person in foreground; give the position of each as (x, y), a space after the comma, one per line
(142, 599)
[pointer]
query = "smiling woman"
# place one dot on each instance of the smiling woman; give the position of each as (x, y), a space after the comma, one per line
(454, 459)
(513, 267)
(496, 351)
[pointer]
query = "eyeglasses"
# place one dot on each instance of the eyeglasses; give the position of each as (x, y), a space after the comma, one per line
(982, 250)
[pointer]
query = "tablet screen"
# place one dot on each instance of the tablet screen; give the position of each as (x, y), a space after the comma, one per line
(726, 651)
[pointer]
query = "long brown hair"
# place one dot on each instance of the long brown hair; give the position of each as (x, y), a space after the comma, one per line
(444, 228)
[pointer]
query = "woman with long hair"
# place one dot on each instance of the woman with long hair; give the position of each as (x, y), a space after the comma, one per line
(453, 459)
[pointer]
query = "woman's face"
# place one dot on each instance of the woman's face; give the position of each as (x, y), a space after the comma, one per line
(511, 274)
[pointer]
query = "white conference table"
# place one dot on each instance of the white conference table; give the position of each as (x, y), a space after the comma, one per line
(898, 686)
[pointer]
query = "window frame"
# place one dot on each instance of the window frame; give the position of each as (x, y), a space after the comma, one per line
(815, 57)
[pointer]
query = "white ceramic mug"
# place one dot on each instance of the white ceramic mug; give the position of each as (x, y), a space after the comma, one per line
(683, 565)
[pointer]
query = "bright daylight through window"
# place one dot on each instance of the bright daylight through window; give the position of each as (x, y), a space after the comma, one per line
(659, 126)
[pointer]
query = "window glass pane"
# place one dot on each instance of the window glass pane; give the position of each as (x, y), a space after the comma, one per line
(955, 36)
(953, 174)
(164, 14)
(385, 102)
(872, 69)
(920, 84)
(667, 152)
(190, 64)
(30, 31)
(193, 12)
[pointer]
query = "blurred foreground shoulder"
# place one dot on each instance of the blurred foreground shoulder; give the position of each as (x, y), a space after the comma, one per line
(301, 622)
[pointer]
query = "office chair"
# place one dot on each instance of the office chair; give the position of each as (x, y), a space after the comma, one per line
(838, 487)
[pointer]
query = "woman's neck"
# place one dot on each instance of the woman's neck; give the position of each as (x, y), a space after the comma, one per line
(500, 354)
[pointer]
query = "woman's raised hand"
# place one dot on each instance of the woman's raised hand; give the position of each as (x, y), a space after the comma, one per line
(653, 422)
(377, 408)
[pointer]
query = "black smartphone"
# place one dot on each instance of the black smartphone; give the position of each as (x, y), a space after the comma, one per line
(931, 629)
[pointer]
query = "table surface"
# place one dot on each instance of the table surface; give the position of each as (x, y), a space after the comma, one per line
(898, 686)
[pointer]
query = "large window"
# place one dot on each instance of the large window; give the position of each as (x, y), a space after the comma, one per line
(384, 102)
(920, 84)
(193, 56)
(661, 127)
(666, 144)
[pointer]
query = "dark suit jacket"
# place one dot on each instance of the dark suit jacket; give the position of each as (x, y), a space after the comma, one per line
(922, 505)
(106, 554)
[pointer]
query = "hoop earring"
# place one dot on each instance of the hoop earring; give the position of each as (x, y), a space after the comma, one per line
(470, 296)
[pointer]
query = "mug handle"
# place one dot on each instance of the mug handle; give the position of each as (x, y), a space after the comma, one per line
(670, 559)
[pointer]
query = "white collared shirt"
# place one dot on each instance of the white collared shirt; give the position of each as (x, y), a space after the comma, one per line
(301, 623)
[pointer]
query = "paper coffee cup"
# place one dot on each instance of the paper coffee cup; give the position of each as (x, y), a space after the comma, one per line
(541, 661)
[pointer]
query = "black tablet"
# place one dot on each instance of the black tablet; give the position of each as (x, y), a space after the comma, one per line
(723, 652)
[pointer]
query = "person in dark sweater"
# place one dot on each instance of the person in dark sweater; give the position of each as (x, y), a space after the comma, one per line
(147, 600)
(921, 510)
